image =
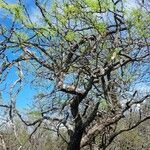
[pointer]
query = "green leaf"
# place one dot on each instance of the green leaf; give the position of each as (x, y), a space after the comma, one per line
(62, 18)
(93, 4)
(137, 21)
(34, 114)
(70, 36)
(99, 5)
(14, 9)
(103, 104)
(71, 9)
(22, 35)
(101, 27)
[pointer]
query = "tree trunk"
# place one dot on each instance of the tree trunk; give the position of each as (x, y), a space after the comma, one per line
(75, 139)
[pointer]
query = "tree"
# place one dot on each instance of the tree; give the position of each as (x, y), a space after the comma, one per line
(86, 56)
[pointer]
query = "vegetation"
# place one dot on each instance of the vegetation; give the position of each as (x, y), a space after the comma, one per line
(85, 62)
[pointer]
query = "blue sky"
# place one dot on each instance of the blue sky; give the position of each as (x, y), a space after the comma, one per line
(25, 97)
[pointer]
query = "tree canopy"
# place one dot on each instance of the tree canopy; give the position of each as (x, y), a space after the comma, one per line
(86, 61)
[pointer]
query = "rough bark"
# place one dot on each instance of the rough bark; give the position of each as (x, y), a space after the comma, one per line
(75, 139)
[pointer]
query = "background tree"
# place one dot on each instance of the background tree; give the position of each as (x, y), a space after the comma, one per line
(86, 57)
